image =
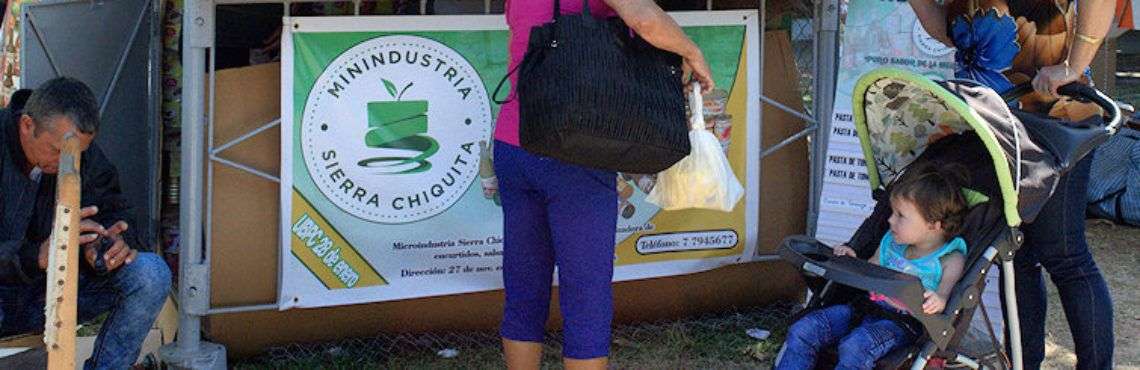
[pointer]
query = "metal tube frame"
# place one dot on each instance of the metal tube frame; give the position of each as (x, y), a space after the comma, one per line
(123, 56)
(190, 352)
(1013, 323)
(969, 362)
(31, 19)
(826, 64)
(190, 213)
(923, 357)
(198, 138)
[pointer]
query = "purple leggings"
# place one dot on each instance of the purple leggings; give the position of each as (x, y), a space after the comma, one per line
(556, 213)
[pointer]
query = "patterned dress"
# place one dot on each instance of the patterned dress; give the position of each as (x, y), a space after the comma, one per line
(1002, 43)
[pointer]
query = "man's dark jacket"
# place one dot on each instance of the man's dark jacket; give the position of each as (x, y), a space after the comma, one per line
(27, 207)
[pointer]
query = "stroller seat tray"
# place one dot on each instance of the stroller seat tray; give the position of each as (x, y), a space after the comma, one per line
(815, 258)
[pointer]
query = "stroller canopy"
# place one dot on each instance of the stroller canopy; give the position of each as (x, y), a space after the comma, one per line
(898, 114)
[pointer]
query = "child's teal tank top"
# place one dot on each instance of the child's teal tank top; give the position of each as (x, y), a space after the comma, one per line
(928, 268)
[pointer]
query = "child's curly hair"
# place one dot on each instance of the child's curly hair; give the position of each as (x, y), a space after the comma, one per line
(936, 190)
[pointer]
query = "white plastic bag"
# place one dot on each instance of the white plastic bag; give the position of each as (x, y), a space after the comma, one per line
(703, 179)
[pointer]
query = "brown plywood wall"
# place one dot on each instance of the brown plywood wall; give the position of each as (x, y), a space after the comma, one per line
(786, 173)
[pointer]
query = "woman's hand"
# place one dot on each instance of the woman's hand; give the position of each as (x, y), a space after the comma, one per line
(697, 69)
(1094, 18)
(1050, 78)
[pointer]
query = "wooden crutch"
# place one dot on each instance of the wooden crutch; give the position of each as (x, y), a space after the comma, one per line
(63, 261)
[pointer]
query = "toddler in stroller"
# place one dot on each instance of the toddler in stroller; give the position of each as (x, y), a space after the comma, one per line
(927, 209)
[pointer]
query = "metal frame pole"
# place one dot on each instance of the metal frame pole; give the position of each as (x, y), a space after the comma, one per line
(826, 63)
(193, 114)
(1013, 323)
(923, 357)
(760, 35)
(190, 352)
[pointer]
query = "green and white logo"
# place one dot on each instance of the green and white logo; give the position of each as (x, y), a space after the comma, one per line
(391, 129)
(927, 44)
(399, 125)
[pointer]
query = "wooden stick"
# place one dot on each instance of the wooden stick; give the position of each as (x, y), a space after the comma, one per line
(63, 261)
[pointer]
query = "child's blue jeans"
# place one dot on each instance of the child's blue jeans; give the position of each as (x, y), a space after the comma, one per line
(859, 347)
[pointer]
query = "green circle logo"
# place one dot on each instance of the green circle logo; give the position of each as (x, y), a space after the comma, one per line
(391, 129)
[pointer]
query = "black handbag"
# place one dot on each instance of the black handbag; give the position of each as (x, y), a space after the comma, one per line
(593, 94)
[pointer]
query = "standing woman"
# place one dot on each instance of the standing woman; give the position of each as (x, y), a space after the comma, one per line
(561, 214)
(1003, 43)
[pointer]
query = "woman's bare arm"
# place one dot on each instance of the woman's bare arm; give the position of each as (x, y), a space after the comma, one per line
(1094, 18)
(659, 29)
(933, 19)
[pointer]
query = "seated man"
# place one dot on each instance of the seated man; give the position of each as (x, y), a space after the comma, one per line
(131, 285)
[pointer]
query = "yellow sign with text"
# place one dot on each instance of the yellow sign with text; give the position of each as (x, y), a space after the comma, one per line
(325, 252)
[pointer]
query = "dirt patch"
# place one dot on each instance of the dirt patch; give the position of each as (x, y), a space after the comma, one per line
(1117, 252)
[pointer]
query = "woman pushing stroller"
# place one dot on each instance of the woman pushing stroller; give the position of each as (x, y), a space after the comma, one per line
(1051, 43)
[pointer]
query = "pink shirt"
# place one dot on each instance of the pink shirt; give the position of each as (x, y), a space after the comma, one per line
(522, 15)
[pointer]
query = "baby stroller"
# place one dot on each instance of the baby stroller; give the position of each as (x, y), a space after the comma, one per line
(1014, 158)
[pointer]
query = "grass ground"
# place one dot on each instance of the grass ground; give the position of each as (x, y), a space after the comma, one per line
(1117, 252)
(711, 342)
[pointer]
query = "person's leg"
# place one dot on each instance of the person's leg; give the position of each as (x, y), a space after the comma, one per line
(22, 309)
(587, 364)
(522, 354)
(871, 340)
(1031, 298)
(528, 260)
(583, 224)
(811, 333)
(132, 295)
(1082, 289)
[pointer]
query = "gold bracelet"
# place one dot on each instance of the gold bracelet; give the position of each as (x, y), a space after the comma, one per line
(1088, 39)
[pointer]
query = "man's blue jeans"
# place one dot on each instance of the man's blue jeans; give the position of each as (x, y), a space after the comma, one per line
(132, 294)
(1056, 241)
(859, 348)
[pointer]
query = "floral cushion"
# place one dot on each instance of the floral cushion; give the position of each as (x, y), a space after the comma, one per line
(902, 120)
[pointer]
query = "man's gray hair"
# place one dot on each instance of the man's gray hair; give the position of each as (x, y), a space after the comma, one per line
(64, 96)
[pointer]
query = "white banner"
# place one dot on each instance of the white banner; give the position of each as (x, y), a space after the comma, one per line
(876, 34)
(388, 191)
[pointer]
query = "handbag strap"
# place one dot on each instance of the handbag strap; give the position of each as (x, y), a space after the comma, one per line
(494, 95)
(558, 8)
(557, 14)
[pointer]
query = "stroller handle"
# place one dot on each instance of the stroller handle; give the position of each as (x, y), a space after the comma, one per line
(1078, 91)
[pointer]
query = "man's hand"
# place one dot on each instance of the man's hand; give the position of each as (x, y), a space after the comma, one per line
(88, 231)
(118, 255)
(844, 250)
(933, 303)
